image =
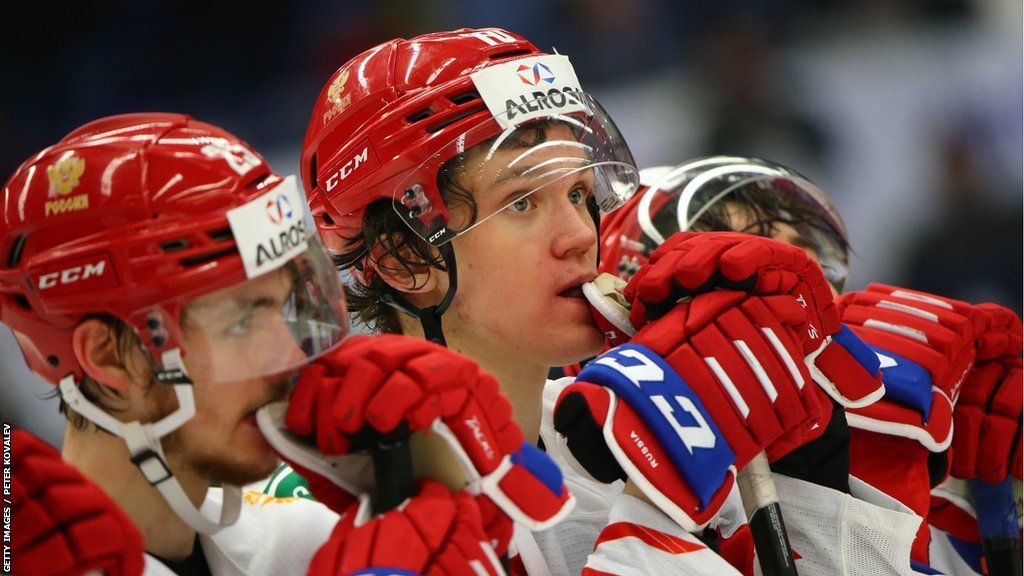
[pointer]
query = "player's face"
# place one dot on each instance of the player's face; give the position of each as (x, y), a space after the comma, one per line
(234, 331)
(742, 221)
(520, 271)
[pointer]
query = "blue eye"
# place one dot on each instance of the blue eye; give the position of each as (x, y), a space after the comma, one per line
(521, 205)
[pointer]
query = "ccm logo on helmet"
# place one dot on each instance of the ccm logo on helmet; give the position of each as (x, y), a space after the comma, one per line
(71, 275)
(437, 234)
(363, 158)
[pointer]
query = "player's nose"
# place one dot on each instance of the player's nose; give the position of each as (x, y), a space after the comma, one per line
(575, 232)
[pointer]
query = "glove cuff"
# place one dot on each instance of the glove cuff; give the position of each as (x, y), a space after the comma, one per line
(525, 507)
(353, 473)
(853, 378)
(657, 430)
(889, 418)
(609, 308)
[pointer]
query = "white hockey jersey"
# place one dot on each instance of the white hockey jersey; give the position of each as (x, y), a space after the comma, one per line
(609, 532)
(832, 533)
(272, 537)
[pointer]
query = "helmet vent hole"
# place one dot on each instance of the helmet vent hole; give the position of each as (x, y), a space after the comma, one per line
(52, 361)
(508, 54)
(312, 168)
(15, 254)
(257, 182)
(174, 245)
(464, 97)
(221, 234)
(454, 118)
(22, 302)
(204, 258)
(421, 115)
(326, 218)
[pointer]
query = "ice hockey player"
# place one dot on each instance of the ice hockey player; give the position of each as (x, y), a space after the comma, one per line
(161, 276)
(166, 280)
(458, 176)
(900, 444)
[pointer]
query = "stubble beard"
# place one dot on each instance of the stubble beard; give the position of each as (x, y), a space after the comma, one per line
(213, 459)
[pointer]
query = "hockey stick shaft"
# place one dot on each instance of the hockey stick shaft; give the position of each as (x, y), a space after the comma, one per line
(996, 509)
(392, 455)
(764, 516)
(392, 469)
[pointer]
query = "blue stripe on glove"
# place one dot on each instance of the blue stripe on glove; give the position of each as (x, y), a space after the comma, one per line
(906, 382)
(674, 413)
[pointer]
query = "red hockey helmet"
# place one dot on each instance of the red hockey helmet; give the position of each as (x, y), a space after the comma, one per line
(180, 230)
(389, 119)
(681, 198)
(137, 215)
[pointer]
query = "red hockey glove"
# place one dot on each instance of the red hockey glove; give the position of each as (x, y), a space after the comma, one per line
(692, 263)
(689, 263)
(694, 395)
(926, 345)
(370, 385)
(63, 524)
(937, 333)
(433, 533)
(987, 417)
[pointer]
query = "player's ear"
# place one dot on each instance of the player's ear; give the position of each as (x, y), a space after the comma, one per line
(403, 270)
(95, 344)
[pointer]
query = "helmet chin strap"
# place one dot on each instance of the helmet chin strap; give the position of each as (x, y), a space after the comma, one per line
(595, 214)
(147, 453)
(430, 317)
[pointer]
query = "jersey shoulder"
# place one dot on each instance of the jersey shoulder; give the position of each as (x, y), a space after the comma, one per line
(273, 535)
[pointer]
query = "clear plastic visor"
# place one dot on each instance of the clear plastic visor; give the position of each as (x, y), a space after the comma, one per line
(707, 203)
(500, 167)
(267, 326)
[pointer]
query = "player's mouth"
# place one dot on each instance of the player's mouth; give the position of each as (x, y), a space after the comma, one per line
(250, 418)
(572, 292)
(574, 288)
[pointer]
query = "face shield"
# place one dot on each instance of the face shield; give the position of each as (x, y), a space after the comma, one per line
(755, 199)
(266, 326)
(553, 135)
(261, 316)
(289, 310)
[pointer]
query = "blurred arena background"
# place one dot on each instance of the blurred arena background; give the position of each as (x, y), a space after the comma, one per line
(907, 112)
